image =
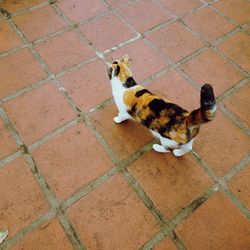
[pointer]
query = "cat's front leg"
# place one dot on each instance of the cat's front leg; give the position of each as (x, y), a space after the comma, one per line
(121, 117)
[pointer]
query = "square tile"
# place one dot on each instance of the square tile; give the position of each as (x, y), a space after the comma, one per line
(145, 61)
(216, 224)
(175, 41)
(71, 160)
(89, 85)
(113, 209)
(239, 104)
(237, 47)
(181, 7)
(180, 182)
(22, 201)
(208, 24)
(239, 184)
(15, 5)
(166, 244)
(107, 31)
(238, 10)
(7, 143)
(125, 138)
(19, 70)
(78, 10)
(176, 89)
(216, 144)
(50, 235)
(144, 15)
(209, 67)
(64, 50)
(38, 112)
(37, 23)
(8, 37)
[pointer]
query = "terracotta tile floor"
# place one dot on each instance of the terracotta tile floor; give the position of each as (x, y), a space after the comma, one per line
(72, 179)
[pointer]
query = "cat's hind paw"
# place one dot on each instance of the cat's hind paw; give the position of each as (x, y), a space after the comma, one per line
(159, 148)
(178, 152)
(118, 119)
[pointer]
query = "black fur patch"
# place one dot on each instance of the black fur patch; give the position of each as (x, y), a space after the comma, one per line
(115, 62)
(132, 110)
(158, 105)
(130, 82)
(148, 121)
(109, 70)
(117, 70)
(142, 92)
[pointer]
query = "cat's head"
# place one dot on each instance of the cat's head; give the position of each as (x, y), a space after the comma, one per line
(120, 69)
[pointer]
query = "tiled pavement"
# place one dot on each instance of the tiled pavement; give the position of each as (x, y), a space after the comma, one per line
(72, 179)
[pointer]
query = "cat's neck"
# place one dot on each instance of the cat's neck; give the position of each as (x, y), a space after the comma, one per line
(117, 84)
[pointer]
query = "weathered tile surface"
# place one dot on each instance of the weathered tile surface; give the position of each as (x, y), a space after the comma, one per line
(70, 178)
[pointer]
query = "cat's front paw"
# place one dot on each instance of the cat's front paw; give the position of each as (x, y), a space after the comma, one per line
(178, 152)
(117, 119)
(159, 148)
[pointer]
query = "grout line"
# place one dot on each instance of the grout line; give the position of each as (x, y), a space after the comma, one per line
(232, 90)
(18, 139)
(28, 229)
(102, 105)
(239, 204)
(120, 45)
(153, 241)
(101, 140)
(70, 231)
(187, 211)
(52, 34)
(13, 50)
(230, 61)
(237, 168)
(144, 197)
(234, 119)
(205, 167)
(89, 187)
(52, 134)
(10, 158)
(223, 15)
(225, 36)
(162, 235)
(26, 10)
(25, 90)
(76, 66)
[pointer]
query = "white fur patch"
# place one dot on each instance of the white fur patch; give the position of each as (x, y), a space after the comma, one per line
(213, 109)
(118, 91)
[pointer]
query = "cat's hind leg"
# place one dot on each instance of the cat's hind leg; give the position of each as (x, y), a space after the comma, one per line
(184, 149)
(122, 116)
(157, 147)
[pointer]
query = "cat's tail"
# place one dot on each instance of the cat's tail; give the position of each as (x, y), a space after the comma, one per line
(207, 110)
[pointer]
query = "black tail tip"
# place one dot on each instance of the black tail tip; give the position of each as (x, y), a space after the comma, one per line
(207, 97)
(207, 88)
(207, 92)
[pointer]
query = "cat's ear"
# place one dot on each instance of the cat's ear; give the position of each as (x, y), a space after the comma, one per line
(126, 59)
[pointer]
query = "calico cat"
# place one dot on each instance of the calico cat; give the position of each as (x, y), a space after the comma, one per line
(175, 127)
